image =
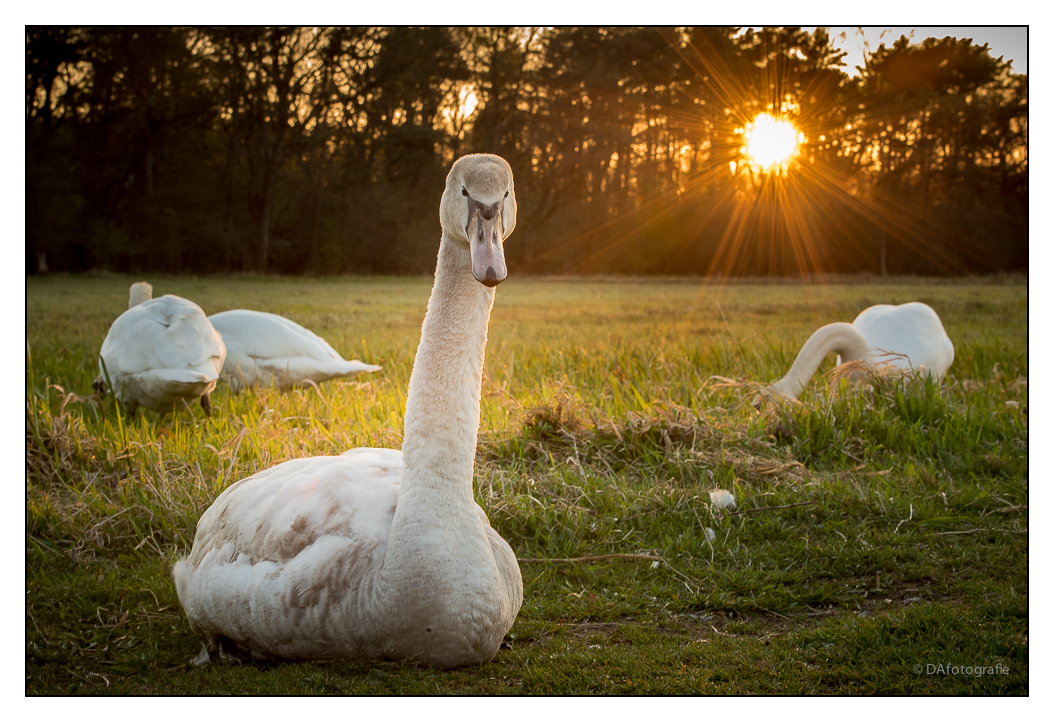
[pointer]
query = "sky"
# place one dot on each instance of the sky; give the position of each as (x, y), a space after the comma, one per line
(1010, 42)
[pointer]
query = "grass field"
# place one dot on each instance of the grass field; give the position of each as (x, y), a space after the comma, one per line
(877, 527)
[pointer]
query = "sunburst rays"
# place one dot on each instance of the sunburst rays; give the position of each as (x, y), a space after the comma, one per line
(774, 187)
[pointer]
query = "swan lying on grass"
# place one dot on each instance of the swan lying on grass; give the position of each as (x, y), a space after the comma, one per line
(160, 353)
(909, 338)
(379, 553)
(264, 348)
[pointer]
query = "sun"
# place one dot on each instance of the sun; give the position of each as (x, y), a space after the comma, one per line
(770, 144)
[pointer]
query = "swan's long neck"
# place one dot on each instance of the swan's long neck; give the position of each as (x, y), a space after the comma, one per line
(840, 338)
(436, 545)
(442, 404)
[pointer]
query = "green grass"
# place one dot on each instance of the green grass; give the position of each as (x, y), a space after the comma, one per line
(878, 526)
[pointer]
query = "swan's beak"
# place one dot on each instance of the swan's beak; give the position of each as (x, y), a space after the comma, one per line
(484, 238)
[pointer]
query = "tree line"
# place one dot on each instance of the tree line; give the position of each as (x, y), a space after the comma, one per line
(324, 150)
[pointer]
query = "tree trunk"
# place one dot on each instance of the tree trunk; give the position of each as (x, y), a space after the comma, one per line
(316, 212)
(882, 254)
(265, 230)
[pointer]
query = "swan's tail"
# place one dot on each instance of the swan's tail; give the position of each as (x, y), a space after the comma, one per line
(357, 366)
(292, 372)
(200, 375)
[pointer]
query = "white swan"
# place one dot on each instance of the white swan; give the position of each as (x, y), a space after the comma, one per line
(378, 553)
(909, 337)
(263, 348)
(161, 352)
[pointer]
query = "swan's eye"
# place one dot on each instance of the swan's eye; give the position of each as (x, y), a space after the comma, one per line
(506, 194)
(463, 191)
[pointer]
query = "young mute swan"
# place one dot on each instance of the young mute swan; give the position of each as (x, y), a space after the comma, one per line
(909, 337)
(378, 553)
(161, 353)
(263, 348)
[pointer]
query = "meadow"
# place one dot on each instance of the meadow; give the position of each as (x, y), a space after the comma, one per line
(880, 528)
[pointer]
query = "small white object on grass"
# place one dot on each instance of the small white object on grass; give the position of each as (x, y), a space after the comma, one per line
(722, 499)
(710, 534)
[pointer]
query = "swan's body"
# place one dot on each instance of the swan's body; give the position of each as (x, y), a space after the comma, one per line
(378, 553)
(161, 352)
(263, 348)
(909, 338)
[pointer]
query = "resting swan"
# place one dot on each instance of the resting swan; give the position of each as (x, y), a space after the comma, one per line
(263, 348)
(378, 553)
(909, 337)
(161, 352)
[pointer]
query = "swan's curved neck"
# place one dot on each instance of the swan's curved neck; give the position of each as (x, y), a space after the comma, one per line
(442, 404)
(140, 293)
(840, 338)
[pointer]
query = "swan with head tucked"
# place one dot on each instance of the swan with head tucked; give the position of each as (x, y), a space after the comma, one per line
(909, 337)
(161, 352)
(379, 553)
(264, 348)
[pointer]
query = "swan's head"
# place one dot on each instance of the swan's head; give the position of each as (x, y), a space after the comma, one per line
(139, 292)
(479, 210)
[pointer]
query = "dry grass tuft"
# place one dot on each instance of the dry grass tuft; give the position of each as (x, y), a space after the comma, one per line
(58, 448)
(555, 421)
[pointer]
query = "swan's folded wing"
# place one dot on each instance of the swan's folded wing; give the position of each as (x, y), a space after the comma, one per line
(277, 552)
(279, 512)
(304, 341)
(268, 336)
(266, 348)
(192, 341)
(131, 345)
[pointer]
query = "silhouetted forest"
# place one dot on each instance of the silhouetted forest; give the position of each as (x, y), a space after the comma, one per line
(324, 150)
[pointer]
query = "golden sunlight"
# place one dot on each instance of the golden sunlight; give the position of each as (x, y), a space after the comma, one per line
(769, 143)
